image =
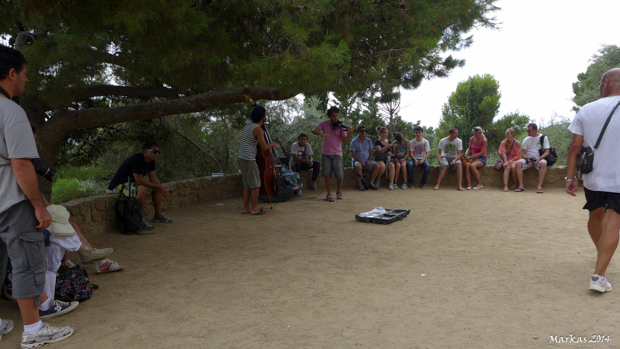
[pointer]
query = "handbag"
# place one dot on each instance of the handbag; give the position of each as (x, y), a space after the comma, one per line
(553, 155)
(500, 162)
(586, 156)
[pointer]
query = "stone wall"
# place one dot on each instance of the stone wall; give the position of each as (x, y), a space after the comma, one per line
(95, 214)
(490, 178)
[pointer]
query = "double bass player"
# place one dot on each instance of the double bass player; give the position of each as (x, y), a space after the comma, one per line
(251, 135)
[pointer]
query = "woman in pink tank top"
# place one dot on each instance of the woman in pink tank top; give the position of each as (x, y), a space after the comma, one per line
(478, 148)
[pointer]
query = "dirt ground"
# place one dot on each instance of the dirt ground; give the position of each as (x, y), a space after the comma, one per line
(474, 269)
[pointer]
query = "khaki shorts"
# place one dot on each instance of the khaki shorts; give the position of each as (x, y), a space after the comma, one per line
(123, 188)
(249, 173)
(23, 243)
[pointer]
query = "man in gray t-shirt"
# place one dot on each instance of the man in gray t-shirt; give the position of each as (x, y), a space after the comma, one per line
(301, 159)
(449, 155)
(22, 209)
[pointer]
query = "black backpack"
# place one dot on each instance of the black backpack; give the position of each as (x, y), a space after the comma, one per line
(553, 155)
(128, 213)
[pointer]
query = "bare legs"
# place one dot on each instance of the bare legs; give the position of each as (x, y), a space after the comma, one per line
(542, 173)
(608, 241)
(472, 167)
(328, 185)
(253, 195)
(156, 196)
(519, 171)
(29, 309)
(400, 167)
(376, 172)
(459, 176)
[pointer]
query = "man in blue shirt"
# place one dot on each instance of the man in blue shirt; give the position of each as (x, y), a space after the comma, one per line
(362, 150)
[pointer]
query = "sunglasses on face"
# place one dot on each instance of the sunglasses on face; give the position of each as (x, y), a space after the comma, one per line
(155, 151)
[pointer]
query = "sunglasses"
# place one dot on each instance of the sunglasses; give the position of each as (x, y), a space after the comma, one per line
(155, 151)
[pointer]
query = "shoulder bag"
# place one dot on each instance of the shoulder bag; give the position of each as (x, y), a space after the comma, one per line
(500, 161)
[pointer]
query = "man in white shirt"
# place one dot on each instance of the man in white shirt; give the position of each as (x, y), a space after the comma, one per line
(449, 154)
(602, 185)
(532, 158)
(419, 149)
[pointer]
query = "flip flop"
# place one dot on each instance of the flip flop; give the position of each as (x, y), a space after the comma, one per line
(539, 191)
(260, 211)
(246, 212)
(518, 190)
(505, 189)
(480, 187)
(468, 188)
(460, 189)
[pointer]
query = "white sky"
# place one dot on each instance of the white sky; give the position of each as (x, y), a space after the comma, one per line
(535, 56)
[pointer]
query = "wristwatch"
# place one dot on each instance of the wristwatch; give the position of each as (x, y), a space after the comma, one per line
(566, 179)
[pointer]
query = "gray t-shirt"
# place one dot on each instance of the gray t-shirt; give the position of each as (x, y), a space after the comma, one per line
(302, 152)
(449, 148)
(16, 142)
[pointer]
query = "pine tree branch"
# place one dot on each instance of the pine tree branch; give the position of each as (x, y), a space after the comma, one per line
(67, 120)
(193, 142)
(85, 93)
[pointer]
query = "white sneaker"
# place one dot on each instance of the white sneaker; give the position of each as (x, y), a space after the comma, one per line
(7, 326)
(599, 284)
(391, 186)
(88, 255)
(404, 186)
(47, 334)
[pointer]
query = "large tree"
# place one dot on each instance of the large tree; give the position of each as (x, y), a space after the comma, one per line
(586, 88)
(96, 63)
(474, 103)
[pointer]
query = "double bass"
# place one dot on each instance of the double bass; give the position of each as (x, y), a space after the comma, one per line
(269, 167)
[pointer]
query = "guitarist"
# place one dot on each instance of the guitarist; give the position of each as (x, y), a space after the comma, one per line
(252, 134)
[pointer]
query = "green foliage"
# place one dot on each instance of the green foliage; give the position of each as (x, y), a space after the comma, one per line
(495, 133)
(73, 182)
(559, 136)
(205, 45)
(586, 88)
(474, 103)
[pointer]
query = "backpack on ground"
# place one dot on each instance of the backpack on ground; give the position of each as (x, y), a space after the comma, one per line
(74, 285)
(128, 213)
(293, 179)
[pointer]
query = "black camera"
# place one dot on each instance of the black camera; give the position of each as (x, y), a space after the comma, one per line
(41, 169)
(532, 160)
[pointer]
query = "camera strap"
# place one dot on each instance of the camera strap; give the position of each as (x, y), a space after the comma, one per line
(5, 93)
